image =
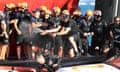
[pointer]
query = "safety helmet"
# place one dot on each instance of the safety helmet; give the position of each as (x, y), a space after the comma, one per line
(48, 12)
(56, 9)
(89, 12)
(65, 12)
(19, 4)
(43, 8)
(24, 5)
(97, 13)
(10, 5)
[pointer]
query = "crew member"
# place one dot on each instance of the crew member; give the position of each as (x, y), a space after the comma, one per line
(99, 28)
(4, 37)
(115, 36)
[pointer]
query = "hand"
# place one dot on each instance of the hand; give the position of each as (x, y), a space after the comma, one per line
(19, 32)
(92, 33)
(106, 50)
(44, 33)
(5, 34)
(54, 65)
(34, 49)
(53, 34)
(85, 34)
(40, 59)
(97, 48)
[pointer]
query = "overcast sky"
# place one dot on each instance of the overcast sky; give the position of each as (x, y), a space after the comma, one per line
(87, 1)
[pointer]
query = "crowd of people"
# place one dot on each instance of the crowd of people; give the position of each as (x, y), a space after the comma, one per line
(56, 33)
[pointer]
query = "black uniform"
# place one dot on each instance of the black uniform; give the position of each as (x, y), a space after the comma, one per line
(72, 24)
(0, 28)
(3, 39)
(37, 21)
(47, 40)
(74, 30)
(55, 20)
(57, 41)
(38, 39)
(85, 28)
(50, 60)
(115, 28)
(7, 21)
(24, 24)
(100, 29)
(43, 41)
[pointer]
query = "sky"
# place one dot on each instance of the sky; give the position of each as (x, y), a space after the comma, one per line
(86, 4)
(87, 0)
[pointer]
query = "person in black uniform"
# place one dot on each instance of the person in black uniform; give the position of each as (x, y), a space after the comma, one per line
(38, 23)
(4, 38)
(100, 32)
(49, 38)
(56, 18)
(115, 36)
(55, 27)
(52, 62)
(68, 30)
(85, 28)
(43, 9)
(77, 16)
(9, 18)
(23, 28)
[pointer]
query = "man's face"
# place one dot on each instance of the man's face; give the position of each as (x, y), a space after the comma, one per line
(117, 20)
(47, 16)
(37, 14)
(65, 18)
(97, 18)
